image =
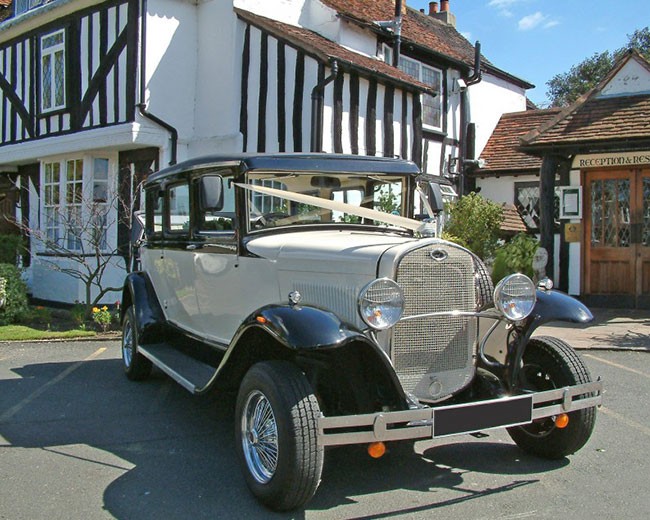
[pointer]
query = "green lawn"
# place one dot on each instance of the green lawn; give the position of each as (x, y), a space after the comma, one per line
(24, 333)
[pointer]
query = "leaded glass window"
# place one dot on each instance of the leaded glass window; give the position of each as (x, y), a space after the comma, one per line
(431, 105)
(53, 71)
(610, 213)
(527, 203)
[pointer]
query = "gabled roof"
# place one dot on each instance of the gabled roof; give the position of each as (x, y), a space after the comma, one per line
(597, 120)
(326, 50)
(502, 154)
(419, 31)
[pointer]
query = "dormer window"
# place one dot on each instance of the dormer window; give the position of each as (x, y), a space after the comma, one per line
(53, 71)
(431, 105)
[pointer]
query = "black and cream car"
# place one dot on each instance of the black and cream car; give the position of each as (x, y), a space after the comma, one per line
(303, 283)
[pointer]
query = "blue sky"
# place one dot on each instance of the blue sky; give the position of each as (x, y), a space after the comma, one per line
(537, 39)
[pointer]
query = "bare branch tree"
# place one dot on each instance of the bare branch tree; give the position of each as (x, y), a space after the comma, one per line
(79, 239)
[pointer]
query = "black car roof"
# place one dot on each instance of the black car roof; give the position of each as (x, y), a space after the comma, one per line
(291, 162)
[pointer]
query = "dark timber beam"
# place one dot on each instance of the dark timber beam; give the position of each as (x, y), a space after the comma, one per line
(549, 168)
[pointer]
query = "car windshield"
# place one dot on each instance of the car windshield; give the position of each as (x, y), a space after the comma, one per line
(271, 208)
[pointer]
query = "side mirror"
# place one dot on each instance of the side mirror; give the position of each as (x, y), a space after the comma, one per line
(211, 193)
(435, 197)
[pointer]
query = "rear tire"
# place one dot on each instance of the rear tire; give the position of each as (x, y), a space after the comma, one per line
(277, 435)
(136, 366)
(550, 363)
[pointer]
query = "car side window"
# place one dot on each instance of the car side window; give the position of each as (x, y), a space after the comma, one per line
(155, 200)
(179, 209)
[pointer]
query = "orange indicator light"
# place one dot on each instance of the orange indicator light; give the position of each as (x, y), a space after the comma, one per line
(261, 319)
(562, 421)
(376, 449)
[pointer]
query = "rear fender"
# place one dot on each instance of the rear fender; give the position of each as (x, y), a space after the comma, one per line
(149, 318)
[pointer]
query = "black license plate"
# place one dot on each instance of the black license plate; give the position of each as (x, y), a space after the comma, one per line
(482, 416)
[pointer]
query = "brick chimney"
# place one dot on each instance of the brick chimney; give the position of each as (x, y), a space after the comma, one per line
(444, 15)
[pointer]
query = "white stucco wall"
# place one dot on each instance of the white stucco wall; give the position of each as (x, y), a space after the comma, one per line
(171, 63)
(488, 100)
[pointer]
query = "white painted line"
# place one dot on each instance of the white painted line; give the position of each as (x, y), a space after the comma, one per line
(617, 365)
(16, 408)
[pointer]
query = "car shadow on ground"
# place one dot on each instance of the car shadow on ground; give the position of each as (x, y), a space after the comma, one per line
(172, 455)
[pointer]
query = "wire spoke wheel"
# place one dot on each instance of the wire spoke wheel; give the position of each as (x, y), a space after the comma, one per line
(277, 435)
(136, 366)
(260, 437)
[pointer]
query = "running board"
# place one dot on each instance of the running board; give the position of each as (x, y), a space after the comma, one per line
(191, 374)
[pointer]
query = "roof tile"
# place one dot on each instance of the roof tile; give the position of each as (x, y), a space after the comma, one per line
(502, 154)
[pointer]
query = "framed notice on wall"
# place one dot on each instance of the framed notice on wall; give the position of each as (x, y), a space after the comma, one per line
(570, 202)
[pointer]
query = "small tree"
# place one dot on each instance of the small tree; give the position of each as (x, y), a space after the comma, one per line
(79, 234)
(516, 256)
(474, 222)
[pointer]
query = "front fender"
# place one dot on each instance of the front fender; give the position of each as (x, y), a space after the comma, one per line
(303, 327)
(556, 306)
(550, 306)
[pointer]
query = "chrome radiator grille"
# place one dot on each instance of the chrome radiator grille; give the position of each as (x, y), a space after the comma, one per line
(433, 357)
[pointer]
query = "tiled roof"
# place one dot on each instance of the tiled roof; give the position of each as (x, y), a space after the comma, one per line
(595, 120)
(502, 154)
(6, 3)
(434, 35)
(512, 221)
(604, 119)
(326, 49)
(416, 27)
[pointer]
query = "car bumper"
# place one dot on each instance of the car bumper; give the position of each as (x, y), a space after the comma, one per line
(458, 419)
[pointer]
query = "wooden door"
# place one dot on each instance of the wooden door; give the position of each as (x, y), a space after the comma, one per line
(617, 237)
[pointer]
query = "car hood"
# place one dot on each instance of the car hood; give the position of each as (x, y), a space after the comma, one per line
(333, 251)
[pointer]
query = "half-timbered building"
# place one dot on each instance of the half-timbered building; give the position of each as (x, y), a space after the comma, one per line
(98, 93)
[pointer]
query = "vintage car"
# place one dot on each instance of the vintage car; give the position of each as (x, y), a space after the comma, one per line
(299, 281)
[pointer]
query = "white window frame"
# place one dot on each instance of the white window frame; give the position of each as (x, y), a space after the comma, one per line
(69, 194)
(52, 98)
(419, 71)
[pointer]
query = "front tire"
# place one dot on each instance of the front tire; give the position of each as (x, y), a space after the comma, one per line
(550, 363)
(136, 366)
(276, 435)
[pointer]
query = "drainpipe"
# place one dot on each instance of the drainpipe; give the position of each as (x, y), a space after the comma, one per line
(317, 99)
(466, 163)
(398, 33)
(142, 105)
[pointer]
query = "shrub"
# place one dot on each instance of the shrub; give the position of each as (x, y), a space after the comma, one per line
(515, 257)
(16, 306)
(475, 222)
(10, 247)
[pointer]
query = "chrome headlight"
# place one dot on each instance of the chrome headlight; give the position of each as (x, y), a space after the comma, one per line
(515, 296)
(381, 303)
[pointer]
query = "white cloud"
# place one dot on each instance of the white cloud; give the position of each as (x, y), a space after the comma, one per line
(532, 21)
(501, 4)
(467, 35)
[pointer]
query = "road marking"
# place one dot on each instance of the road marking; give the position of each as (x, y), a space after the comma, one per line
(611, 363)
(16, 408)
(623, 419)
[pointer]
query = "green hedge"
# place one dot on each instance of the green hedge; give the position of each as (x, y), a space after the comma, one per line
(15, 295)
(10, 247)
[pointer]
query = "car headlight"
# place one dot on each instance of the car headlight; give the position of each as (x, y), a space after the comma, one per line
(381, 303)
(515, 296)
